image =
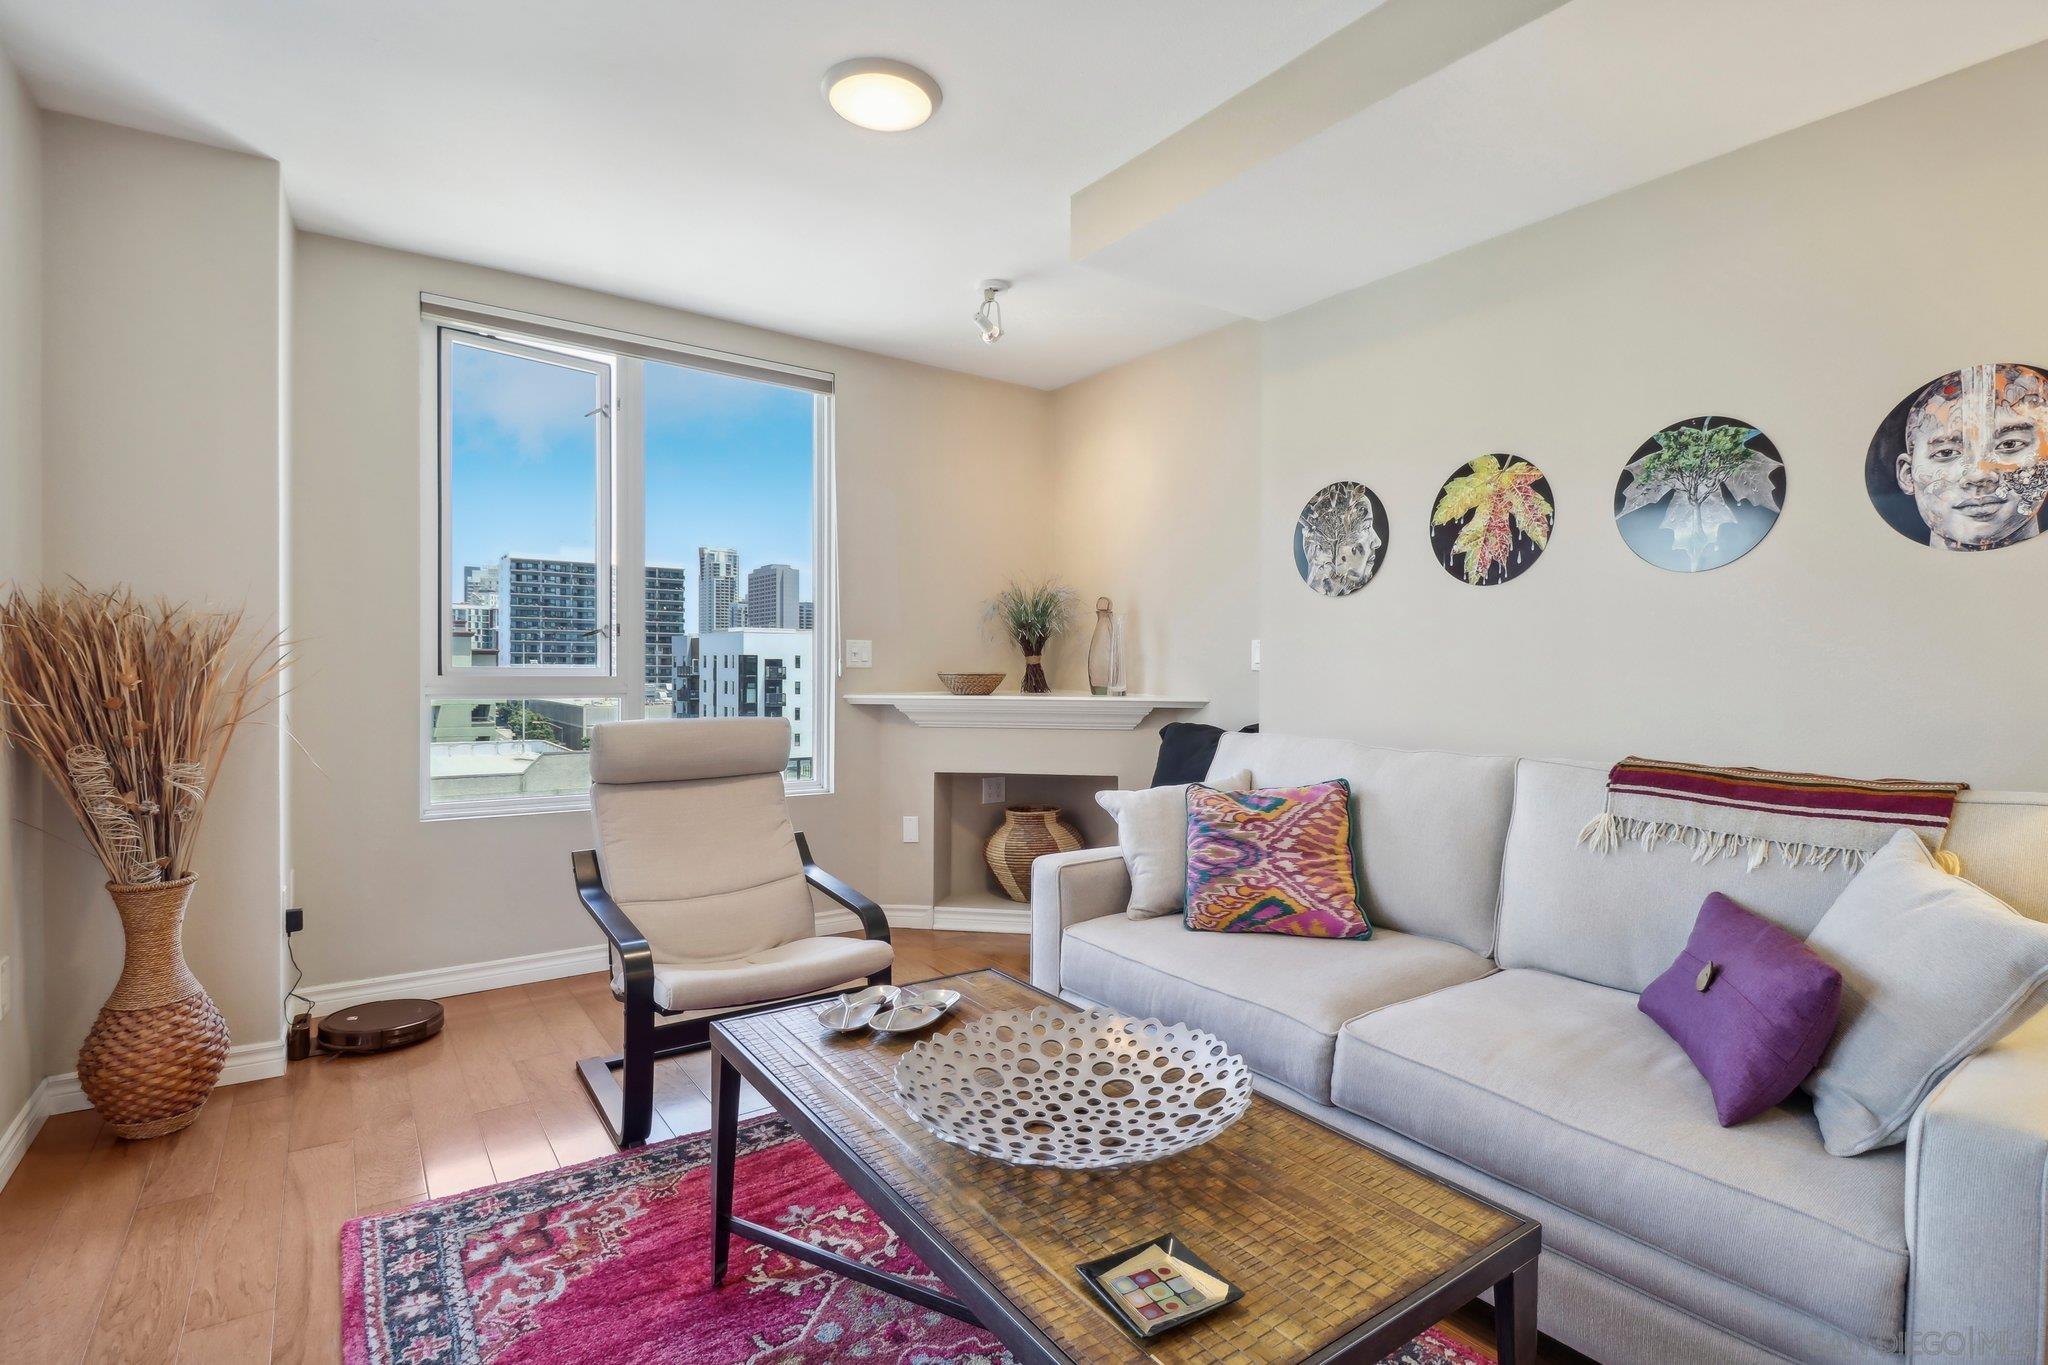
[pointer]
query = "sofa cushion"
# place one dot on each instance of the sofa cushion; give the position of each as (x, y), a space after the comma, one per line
(1567, 1090)
(1273, 861)
(1427, 827)
(1277, 1001)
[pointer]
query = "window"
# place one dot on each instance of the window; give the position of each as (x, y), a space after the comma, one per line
(616, 528)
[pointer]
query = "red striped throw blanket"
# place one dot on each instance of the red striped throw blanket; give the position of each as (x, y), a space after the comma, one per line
(1805, 817)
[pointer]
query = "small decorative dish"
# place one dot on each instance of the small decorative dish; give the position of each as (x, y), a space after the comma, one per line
(1157, 1286)
(852, 1012)
(914, 1009)
(971, 684)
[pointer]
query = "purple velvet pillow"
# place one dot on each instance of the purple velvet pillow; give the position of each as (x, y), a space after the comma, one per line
(1750, 1004)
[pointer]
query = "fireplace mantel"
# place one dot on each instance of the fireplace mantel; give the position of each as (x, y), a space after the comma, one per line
(1018, 711)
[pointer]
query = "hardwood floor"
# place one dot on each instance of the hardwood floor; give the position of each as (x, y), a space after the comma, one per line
(220, 1244)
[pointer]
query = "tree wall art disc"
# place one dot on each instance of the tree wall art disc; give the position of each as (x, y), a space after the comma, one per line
(1700, 494)
(1491, 520)
(1340, 538)
(1958, 463)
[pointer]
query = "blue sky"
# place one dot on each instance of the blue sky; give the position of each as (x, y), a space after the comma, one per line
(728, 464)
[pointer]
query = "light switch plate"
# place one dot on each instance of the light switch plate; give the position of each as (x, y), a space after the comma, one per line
(910, 829)
(860, 653)
(6, 986)
(1255, 656)
(992, 791)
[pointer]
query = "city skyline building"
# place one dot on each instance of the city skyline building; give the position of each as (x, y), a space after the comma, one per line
(760, 672)
(718, 573)
(772, 598)
(806, 616)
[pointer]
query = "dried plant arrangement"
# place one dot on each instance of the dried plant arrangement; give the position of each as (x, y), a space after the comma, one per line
(1031, 616)
(128, 707)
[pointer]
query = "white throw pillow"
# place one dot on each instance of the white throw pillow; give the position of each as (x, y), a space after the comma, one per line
(1934, 969)
(1152, 831)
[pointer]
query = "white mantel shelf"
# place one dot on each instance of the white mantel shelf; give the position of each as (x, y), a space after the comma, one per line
(1017, 711)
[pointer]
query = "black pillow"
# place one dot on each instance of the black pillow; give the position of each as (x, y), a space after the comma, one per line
(1185, 752)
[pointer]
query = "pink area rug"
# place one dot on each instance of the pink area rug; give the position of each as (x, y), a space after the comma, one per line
(610, 1261)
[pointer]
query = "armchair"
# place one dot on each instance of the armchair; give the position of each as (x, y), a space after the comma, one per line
(703, 891)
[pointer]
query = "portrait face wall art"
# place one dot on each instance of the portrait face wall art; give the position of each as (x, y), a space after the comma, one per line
(1700, 494)
(1340, 538)
(1959, 464)
(1491, 519)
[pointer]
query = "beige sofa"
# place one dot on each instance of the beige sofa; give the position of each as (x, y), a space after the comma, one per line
(1489, 1032)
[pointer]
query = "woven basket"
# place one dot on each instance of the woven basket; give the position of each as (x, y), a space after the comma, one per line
(157, 1048)
(971, 684)
(1027, 834)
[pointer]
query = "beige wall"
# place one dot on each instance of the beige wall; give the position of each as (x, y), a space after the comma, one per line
(1806, 285)
(943, 490)
(1156, 506)
(20, 553)
(163, 380)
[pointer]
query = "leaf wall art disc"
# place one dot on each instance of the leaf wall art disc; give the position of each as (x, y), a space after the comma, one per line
(1958, 463)
(1340, 538)
(1491, 520)
(1700, 494)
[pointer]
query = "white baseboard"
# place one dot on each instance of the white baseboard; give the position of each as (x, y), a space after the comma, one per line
(246, 1062)
(21, 1131)
(983, 919)
(437, 982)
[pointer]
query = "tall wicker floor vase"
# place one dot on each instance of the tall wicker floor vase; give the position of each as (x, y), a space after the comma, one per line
(154, 1053)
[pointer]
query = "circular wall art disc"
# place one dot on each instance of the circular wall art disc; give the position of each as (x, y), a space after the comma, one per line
(1700, 494)
(1340, 538)
(1959, 464)
(1491, 519)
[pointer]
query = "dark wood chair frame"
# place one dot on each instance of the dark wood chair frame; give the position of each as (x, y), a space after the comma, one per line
(621, 1086)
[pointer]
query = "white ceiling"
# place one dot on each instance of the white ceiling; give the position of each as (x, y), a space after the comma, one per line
(680, 151)
(1587, 100)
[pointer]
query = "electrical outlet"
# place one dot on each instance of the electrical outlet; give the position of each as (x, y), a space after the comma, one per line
(992, 791)
(1255, 656)
(860, 653)
(910, 829)
(6, 986)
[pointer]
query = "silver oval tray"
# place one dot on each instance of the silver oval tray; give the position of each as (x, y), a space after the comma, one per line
(852, 1012)
(914, 1009)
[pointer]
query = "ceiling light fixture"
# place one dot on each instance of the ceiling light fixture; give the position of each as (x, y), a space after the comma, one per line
(881, 94)
(989, 317)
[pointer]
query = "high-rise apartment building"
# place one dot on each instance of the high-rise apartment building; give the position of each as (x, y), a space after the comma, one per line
(806, 616)
(771, 598)
(477, 612)
(718, 583)
(666, 597)
(546, 612)
(761, 673)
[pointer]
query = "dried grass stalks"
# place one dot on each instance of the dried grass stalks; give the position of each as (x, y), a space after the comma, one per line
(128, 708)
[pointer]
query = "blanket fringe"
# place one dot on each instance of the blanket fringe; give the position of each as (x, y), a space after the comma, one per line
(1607, 832)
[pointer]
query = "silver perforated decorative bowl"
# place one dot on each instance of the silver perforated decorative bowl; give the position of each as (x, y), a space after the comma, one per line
(1047, 1087)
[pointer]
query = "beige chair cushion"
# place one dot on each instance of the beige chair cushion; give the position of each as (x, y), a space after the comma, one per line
(805, 967)
(708, 870)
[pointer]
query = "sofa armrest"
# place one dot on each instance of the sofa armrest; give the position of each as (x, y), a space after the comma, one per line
(1977, 1204)
(1067, 888)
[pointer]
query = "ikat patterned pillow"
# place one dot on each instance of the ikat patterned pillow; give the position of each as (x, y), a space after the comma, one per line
(1276, 861)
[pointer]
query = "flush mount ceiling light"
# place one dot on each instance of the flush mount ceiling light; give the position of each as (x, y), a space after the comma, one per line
(881, 94)
(989, 317)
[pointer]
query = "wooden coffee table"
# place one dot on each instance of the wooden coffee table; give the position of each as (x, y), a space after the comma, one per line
(1343, 1253)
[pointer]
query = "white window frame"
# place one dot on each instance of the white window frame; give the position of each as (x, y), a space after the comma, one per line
(618, 359)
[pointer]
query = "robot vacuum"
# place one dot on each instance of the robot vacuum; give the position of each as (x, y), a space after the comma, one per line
(378, 1026)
